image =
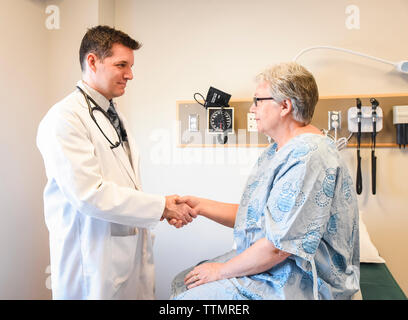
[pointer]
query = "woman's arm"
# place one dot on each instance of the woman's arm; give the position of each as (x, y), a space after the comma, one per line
(259, 257)
(221, 212)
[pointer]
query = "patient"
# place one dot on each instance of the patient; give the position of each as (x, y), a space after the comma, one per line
(296, 227)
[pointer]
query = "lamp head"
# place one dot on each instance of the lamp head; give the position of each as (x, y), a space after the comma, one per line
(402, 66)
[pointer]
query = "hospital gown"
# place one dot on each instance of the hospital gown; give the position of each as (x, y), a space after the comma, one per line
(302, 199)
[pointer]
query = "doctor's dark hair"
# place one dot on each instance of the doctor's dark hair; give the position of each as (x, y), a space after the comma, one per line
(99, 40)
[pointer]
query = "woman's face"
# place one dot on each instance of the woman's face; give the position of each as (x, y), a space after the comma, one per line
(267, 112)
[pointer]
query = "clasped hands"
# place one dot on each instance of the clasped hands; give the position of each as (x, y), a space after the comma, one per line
(179, 211)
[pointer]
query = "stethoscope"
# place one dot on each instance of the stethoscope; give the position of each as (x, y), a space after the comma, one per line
(98, 108)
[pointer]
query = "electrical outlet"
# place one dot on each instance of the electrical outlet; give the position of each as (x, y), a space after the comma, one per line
(251, 123)
(334, 120)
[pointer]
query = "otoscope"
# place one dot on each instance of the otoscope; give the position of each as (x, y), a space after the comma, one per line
(359, 180)
(374, 105)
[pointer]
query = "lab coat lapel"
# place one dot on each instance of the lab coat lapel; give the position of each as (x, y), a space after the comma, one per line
(133, 152)
(135, 160)
(119, 152)
(123, 158)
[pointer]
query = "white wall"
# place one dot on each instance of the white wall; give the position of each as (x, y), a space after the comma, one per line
(38, 67)
(63, 45)
(23, 237)
(190, 45)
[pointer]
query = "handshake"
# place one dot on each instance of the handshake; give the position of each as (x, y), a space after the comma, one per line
(180, 211)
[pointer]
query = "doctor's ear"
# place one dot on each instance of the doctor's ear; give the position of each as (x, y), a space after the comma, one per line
(91, 60)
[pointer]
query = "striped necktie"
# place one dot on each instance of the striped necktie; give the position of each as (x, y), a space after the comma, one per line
(113, 115)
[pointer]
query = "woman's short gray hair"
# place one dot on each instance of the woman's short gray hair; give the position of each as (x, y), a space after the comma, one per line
(292, 81)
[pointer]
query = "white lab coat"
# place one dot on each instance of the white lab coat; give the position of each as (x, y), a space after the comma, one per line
(96, 213)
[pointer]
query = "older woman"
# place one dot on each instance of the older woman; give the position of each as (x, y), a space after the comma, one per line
(296, 227)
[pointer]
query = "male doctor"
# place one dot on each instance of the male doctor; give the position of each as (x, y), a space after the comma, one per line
(97, 215)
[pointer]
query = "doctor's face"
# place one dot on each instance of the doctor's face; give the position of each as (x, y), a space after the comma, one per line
(112, 74)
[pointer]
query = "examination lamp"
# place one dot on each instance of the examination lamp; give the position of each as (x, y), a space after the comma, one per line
(401, 66)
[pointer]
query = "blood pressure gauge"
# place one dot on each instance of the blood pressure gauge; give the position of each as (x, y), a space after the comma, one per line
(215, 120)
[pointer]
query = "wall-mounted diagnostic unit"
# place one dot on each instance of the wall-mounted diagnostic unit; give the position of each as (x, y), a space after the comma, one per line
(202, 126)
(366, 118)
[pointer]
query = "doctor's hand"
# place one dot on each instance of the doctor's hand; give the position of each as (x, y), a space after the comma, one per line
(192, 202)
(176, 214)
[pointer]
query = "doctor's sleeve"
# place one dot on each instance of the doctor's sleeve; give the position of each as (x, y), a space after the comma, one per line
(69, 157)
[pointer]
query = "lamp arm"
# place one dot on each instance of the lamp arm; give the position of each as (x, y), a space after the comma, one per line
(344, 50)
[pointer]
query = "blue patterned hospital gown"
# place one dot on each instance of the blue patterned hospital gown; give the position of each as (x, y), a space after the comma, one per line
(302, 199)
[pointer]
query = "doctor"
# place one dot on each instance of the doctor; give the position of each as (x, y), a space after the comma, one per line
(97, 215)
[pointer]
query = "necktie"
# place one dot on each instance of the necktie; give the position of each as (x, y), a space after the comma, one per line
(113, 115)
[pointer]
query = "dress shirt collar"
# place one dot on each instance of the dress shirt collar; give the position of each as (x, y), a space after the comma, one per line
(94, 94)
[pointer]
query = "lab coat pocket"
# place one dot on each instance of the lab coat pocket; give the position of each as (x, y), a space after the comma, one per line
(123, 257)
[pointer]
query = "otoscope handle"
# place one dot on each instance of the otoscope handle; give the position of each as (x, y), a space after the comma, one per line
(358, 101)
(359, 182)
(374, 105)
(358, 133)
(373, 171)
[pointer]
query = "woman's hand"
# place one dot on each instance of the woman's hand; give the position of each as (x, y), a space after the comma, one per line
(220, 212)
(174, 208)
(193, 202)
(203, 273)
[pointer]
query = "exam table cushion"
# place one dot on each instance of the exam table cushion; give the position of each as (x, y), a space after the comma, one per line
(377, 283)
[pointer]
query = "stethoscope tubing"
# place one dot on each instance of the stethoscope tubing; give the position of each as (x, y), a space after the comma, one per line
(98, 108)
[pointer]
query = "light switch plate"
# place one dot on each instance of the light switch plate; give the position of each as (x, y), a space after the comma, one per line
(193, 123)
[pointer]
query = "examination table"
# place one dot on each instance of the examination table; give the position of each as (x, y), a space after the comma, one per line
(377, 283)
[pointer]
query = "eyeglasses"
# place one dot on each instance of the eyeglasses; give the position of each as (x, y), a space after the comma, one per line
(256, 99)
